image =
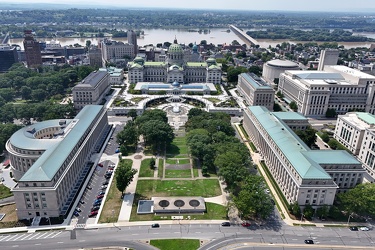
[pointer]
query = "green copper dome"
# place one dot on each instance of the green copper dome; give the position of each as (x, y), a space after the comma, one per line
(175, 49)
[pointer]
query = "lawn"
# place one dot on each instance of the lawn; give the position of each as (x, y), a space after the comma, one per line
(175, 173)
(177, 147)
(160, 168)
(145, 170)
(4, 192)
(113, 202)
(213, 100)
(178, 161)
(175, 244)
(204, 188)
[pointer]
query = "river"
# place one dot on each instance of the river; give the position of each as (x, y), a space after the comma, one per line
(215, 36)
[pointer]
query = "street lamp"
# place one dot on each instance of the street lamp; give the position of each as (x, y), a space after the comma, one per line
(350, 216)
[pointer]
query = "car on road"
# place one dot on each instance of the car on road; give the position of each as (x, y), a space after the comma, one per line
(364, 229)
(309, 242)
(100, 196)
(155, 225)
(225, 224)
(93, 213)
(76, 213)
(353, 228)
(95, 208)
(109, 172)
(245, 224)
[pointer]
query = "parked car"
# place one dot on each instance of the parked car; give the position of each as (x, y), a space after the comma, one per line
(364, 229)
(95, 208)
(353, 228)
(89, 187)
(93, 213)
(107, 176)
(103, 187)
(155, 225)
(109, 172)
(225, 224)
(101, 192)
(100, 165)
(97, 200)
(105, 182)
(309, 242)
(98, 203)
(245, 224)
(100, 196)
(75, 213)
(82, 201)
(78, 209)
(117, 150)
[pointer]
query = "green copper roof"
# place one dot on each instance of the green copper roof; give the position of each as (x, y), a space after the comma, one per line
(289, 116)
(366, 117)
(47, 165)
(196, 64)
(154, 63)
(303, 160)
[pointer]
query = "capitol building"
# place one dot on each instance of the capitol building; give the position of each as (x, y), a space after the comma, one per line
(178, 67)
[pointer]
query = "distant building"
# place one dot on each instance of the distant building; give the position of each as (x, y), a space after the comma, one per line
(113, 51)
(272, 69)
(95, 56)
(132, 39)
(328, 57)
(116, 76)
(176, 88)
(8, 56)
(337, 87)
(175, 68)
(356, 131)
(309, 177)
(32, 50)
(256, 91)
(52, 159)
(91, 90)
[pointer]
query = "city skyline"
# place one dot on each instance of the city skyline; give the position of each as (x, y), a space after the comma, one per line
(286, 5)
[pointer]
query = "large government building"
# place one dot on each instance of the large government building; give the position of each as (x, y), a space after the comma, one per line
(356, 131)
(92, 89)
(337, 87)
(303, 175)
(175, 68)
(51, 159)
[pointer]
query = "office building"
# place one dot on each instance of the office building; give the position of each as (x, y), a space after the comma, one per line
(337, 87)
(356, 131)
(8, 56)
(51, 160)
(255, 91)
(32, 50)
(328, 57)
(272, 69)
(91, 90)
(113, 51)
(132, 39)
(95, 56)
(307, 176)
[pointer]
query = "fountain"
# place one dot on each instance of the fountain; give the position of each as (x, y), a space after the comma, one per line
(176, 108)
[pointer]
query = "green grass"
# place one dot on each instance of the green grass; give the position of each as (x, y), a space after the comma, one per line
(175, 244)
(160, 168)
(204, 188)
(145, 170)
(177, 147)
(178, 161)
(243, 131)
(214, 100)
(174, 173)
(4, 192)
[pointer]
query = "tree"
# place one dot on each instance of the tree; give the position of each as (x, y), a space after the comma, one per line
(152, 163)
(308, 135)
(308, 212)
(26, 92)
(279, 94)
(256, 70)
(252, 200)
(322, 212)
(233, 72)
(132, 113)
(129, 135)
(156, 133)
(124, 175)
(331, 113)
(276, 107)
(359, 200)
(295, 209)
(293, 105)
(325, 137)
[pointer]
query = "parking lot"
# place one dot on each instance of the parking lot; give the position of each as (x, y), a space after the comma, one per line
(96, 187)
(112, 144)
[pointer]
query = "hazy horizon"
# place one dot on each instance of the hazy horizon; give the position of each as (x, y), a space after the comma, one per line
(245, 5)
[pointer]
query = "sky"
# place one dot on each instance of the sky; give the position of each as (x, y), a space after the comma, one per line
(291, 5)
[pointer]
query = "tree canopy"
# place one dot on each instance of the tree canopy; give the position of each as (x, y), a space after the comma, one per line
(124, 175)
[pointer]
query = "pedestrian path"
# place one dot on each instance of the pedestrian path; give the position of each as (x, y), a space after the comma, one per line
(31, 236)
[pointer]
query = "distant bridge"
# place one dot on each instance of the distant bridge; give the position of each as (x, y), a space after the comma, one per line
(6, 39)
(245, 37)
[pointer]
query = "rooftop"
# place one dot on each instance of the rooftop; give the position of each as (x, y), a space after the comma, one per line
(255, 81)
(45, 168)
(304, 161)
(289, 116)
(350, 71)
(93, 79)
(283, 63)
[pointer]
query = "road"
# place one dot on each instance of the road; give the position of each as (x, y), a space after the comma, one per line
(123, 236)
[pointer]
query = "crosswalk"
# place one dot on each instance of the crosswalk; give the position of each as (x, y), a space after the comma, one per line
(30, 236)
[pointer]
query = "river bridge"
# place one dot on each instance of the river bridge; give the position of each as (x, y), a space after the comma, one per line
(6, 39)
(245, 37)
